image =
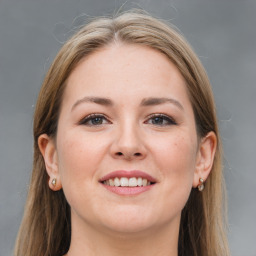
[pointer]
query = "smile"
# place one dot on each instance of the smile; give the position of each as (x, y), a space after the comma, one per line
(125, 182)
(128, 182)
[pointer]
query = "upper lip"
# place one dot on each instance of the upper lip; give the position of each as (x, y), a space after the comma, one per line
(128, 174)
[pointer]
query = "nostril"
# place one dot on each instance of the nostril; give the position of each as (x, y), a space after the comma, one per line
(128, 155)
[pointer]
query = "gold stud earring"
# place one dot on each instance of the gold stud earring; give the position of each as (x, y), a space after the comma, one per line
(54, 182)
(201, 185)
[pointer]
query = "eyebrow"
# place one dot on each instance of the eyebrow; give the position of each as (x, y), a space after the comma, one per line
(158, 101)
(97, 100)
(144, 102)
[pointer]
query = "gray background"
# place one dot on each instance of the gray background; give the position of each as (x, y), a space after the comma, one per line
(222, 33)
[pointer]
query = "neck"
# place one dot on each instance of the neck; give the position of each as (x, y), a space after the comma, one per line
(89, 241)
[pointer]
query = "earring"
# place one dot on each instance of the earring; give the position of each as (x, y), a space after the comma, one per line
(54, 182)
(201, 185)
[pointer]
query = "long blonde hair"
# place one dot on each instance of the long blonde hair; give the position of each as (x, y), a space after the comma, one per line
(46, 227)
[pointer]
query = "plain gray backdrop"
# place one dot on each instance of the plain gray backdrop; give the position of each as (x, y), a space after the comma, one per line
(223, 34)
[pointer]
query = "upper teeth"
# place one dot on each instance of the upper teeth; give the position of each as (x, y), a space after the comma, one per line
(127, 182)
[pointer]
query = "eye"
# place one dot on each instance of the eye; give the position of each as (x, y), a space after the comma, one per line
(94, 120)
(160, 120)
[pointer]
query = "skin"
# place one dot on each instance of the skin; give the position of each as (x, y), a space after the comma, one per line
(128, 137)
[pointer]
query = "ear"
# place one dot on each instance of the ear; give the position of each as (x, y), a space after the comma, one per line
(48, 150)
(205, 157)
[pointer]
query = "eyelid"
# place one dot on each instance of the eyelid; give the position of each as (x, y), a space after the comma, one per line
(91, 116)
(85, 120)
(168, 117)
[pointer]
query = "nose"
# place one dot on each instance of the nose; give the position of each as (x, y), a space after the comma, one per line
(128, 144)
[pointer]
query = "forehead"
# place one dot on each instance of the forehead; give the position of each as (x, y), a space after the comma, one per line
(125, 70)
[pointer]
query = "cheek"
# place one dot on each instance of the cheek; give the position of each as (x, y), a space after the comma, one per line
(176, 158)
(78, 159)
(77, 153)
(177, 154)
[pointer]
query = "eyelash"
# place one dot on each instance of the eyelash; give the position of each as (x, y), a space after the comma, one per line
(88, 120)
(93, 117)
(165, 118)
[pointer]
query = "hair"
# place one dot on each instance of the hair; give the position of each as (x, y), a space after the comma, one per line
(46, 225)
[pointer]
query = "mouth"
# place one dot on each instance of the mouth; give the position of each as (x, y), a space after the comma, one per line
(128, 182)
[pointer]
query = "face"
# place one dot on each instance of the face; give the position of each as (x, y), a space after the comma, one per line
(126, 118)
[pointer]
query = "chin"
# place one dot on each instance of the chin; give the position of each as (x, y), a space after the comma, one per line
(131, 222)
(126, 228)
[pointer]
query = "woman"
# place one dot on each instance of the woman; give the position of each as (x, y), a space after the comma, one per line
(127, 154)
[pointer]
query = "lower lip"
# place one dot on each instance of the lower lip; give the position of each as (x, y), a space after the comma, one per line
(128, 191)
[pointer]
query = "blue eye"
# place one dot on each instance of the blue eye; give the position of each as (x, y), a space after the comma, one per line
(161, 120)
(94, 120)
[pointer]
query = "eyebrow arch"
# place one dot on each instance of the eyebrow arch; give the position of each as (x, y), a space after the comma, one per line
(144, 102)
(158, 101)
(97, 100)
